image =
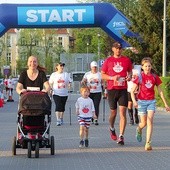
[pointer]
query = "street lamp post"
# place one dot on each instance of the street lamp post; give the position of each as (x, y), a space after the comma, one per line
(164, 42)
(98, 35)
(87, 55)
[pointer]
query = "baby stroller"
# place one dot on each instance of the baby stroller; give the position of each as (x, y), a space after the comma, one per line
(33, 123)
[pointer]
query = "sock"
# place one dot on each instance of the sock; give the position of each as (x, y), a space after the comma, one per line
(112, 129)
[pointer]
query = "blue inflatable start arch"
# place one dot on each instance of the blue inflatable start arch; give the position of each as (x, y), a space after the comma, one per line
(102, 15)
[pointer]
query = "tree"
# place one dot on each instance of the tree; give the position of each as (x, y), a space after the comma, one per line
(146, 18)
(42, 43)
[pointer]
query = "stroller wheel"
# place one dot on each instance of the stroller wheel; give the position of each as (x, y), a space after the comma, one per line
(29, 149)
(14, 146)
(37, 150)
(52, 145)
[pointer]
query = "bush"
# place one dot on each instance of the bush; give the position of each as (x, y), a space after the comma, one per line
(166, 90)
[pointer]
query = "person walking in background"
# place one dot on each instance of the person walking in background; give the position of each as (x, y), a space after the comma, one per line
(6, 84)
(94, 81)
(85, 111)
(10, 85)
(60, 81)
(133, 117)
(146, 103)
(117, 70)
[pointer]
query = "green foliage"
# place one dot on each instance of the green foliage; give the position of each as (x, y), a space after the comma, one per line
(91, 40)
(42, 43)
(166, 90)
(146, 17)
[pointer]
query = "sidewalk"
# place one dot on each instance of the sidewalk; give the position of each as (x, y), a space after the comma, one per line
(102, 154)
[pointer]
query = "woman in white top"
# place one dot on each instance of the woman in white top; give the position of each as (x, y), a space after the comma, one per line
(135, 72)
(94, 81)
(60, 82)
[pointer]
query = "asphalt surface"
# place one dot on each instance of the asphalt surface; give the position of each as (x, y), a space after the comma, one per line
(102, 154)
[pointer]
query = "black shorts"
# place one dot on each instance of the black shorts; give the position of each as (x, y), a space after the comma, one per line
(129, 97)
(60, 102)
(119, 96)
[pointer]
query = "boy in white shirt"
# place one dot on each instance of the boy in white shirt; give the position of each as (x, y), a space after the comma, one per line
(85, 111)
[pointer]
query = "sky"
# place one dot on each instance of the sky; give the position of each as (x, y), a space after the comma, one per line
(38, 1)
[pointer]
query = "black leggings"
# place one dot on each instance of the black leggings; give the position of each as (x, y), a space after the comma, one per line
(60, 102)
(96, 97)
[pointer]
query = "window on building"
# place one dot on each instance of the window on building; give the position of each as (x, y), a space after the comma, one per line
(60, 39)
(9, 58)
(8, 41)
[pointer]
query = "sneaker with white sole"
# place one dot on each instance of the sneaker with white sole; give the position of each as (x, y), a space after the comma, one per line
(138, 135)
(81, 145)
(121, 140)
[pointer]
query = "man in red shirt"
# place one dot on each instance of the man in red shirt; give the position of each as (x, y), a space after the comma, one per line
(117, 70)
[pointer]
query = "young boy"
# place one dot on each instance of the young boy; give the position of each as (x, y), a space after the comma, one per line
(85, 111)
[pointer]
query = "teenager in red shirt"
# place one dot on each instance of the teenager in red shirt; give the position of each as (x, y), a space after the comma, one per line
(117, 70)
(146, 100)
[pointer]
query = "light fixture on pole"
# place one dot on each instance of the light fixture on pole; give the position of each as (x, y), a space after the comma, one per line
(164, 42)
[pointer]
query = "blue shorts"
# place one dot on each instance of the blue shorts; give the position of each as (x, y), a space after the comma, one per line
(146, 105)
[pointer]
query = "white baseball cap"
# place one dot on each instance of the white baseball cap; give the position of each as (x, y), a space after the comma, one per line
(93, 64)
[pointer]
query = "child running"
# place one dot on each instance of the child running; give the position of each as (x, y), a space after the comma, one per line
(146, 104)
(85, 111)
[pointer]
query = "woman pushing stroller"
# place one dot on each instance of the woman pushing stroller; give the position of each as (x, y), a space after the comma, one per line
(35, 108)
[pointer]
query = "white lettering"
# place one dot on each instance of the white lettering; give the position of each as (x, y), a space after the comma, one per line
(32, 17)
(43, 14)
(80, 13)
(68, 15)
(54, 16)
(118, 24)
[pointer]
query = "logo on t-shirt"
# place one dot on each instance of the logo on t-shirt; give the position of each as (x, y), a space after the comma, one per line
(148, 84)
(118, 67)
(94, 83)
(85, 109)
(61, 83)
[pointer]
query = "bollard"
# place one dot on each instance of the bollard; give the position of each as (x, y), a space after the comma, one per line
(104, 109)
(70, 113)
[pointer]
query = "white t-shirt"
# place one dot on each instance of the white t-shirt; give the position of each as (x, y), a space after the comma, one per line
(10, 83)
(85, 107)
(60, 82)
(93, 81)
(135, 72)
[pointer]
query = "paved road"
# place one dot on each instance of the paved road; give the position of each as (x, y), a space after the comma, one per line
(103, 153)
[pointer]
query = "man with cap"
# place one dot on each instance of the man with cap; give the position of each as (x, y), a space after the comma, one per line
(117, 70)
(93, 80)
(60, 82)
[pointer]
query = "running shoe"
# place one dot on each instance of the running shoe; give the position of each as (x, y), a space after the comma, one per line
(81, 145)
(148, 146)
(86, 142)
(138, 135)
(120, 140)
(96, 122)
(113, 134)
(58, 123)
(62, 121)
